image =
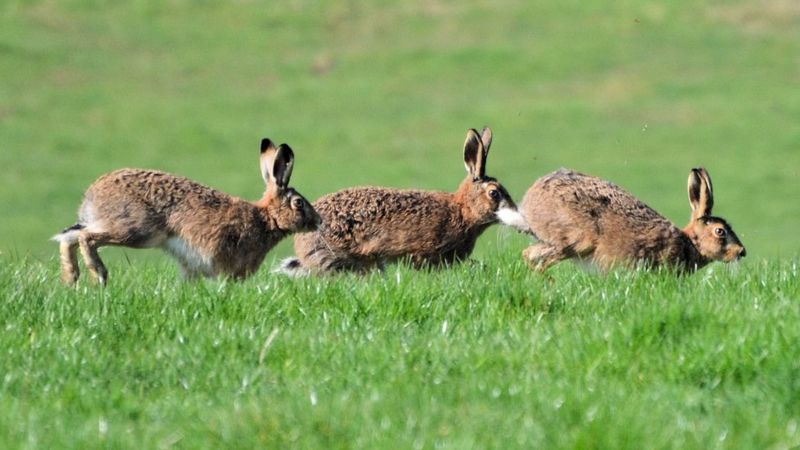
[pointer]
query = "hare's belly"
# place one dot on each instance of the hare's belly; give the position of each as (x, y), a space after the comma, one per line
(190, 257)
(587, 264)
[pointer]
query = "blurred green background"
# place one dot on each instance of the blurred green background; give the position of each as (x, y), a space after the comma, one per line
(382, 93)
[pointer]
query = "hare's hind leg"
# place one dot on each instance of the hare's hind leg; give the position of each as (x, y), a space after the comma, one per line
(69, 262)
(89, 242)
(541, 256)
(68, 249)
(320, 259)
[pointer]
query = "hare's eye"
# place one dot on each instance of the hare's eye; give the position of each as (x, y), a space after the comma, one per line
(494, 194)
(719, 231)
(297, 203)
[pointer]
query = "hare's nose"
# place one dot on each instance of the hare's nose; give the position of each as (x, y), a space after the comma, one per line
(743, 253)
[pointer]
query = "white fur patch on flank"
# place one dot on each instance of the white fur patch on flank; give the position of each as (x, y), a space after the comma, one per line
(191, 258)
(513, 218)
(87, 216)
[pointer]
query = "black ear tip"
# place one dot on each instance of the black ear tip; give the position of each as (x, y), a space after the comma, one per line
(265, 144)
(286, 152)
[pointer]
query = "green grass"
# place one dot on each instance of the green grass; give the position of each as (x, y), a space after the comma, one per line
(480, 355)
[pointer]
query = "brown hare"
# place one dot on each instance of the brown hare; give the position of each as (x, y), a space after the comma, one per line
(366, 227)
(210, 233)
(573, 215)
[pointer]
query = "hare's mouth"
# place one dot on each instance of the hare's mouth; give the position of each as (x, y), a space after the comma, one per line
(735, 254)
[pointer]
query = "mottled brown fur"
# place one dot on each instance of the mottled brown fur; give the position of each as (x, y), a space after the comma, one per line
(365, 227)
(210, 233)
(579, 216)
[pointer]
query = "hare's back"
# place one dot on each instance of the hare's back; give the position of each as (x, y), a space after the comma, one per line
(152, 203)
(369, 209)
(153, 189)
(570, 199)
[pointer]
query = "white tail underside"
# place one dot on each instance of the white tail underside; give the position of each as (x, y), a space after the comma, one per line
(291, 267)
(67, 237)
(513, 218)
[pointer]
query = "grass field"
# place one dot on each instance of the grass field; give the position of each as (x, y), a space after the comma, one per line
(484, 355)
(481, 355)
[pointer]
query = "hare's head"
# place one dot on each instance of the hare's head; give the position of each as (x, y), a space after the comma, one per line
(713, 236)
(480, 196)
(288, 210)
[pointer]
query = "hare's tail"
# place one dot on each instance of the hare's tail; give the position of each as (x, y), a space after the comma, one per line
(291, 267)
(68, 235)
(514, 219)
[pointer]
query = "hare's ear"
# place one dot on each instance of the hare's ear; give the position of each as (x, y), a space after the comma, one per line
(282, 167)
(701, 193)
(474, 155)
(486, 138)
(268, 152)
